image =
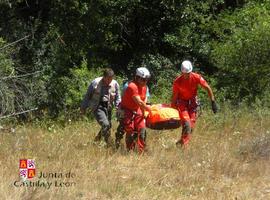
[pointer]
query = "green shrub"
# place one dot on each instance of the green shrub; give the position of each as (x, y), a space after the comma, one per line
(241, 52)
(7, 70)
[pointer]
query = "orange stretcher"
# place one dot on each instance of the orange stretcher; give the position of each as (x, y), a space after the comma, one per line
(163, 117)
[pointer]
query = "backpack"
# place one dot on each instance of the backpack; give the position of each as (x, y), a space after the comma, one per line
(125, 85)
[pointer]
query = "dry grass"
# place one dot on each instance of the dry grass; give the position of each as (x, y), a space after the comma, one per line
(228, 158)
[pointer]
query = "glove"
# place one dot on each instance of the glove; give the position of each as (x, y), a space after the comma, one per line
(214, 107)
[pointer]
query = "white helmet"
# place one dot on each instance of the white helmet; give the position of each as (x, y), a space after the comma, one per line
(143, 72)
(186, 66)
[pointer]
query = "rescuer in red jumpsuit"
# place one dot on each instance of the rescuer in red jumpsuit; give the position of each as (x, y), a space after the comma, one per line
(184, 99)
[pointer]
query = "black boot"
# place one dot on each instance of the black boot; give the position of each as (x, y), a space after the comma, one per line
(119, 135)
(107, 138)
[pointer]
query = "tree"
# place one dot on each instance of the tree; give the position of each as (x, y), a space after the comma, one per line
(241, 52)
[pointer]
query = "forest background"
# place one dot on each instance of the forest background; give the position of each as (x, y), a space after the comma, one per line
(51, 50)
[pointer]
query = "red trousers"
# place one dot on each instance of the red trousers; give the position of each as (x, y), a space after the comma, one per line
(188, 115)
(133, 124)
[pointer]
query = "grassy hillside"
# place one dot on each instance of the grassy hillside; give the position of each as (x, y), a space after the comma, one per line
(228, 158)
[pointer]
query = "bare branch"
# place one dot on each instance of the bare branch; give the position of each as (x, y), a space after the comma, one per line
(12, 43)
